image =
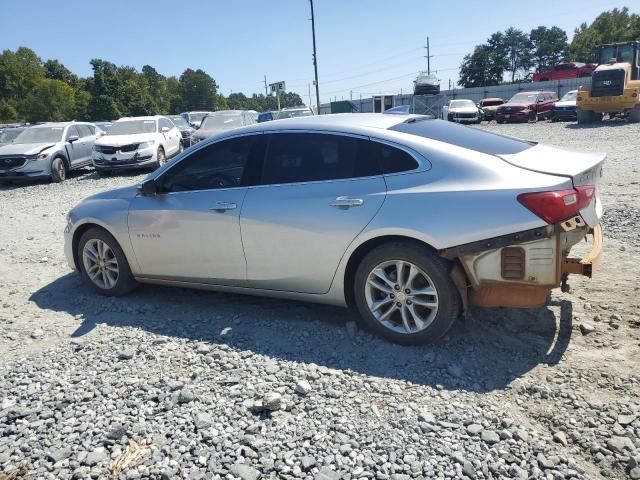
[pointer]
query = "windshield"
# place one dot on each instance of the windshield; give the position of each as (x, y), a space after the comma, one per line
(294, 113)
(570, 96)
(9, 135)
(131, 127)
(197, 117)
(524, 98)
(622, 53)
(492, 103)
(178, 121)
(40, 135)
(222, 121)
(461, 103)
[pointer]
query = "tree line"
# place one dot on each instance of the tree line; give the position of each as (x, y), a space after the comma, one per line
(34, 90)
(513, 54)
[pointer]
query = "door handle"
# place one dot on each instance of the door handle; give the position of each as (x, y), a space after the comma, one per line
(224, 206)
(346, 202)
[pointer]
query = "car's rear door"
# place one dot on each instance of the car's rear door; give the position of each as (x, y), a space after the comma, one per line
(319, 192)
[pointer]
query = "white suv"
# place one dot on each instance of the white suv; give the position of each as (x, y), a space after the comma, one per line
(137, 142)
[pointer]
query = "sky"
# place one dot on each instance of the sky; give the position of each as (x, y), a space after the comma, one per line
(364, 46)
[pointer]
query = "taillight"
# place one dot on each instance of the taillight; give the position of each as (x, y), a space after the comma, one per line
(555, 206)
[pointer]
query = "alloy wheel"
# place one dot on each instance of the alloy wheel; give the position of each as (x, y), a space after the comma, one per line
(401, 296)
(100, 263)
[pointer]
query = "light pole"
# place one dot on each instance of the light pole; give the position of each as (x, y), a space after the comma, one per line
(315, 58)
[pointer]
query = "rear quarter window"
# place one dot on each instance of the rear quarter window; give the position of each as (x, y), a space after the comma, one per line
(465, 137)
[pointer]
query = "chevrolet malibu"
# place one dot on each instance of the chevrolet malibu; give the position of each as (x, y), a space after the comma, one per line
(406, 219)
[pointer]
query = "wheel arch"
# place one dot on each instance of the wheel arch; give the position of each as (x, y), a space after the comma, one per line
(77, 235)
(362, 250)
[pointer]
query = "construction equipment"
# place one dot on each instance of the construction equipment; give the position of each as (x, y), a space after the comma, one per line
(615, 85)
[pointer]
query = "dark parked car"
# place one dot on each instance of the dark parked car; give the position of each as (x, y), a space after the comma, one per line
(527, 107)
(267, 116)
(186, 130)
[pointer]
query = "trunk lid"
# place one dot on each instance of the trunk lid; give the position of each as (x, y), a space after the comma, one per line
(581, 168)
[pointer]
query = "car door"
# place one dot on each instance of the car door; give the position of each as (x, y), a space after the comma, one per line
(75, 150)
(171, 136)
(84, 144)
(190, 230)
(319, 192)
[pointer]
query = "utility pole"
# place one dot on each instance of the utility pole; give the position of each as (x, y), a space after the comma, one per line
(315, 57)
(266, 92)
(310, 102)
(428, 57)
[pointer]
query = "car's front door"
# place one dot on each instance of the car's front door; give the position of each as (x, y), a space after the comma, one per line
(319, 192)
(84, 144)
(74, 147)
(171, 135)
(190, 230)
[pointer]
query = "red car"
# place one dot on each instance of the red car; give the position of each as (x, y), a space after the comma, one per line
(527, 107)
(566, 70)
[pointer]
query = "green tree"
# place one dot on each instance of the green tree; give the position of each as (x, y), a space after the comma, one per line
(19, 73)
(549, 47)
(57, 71)
(157, 87)
(474, 71)
(198, 90)
(49, 100)
(518, 51)
(104, 89)
(8, 113)
(617, 25)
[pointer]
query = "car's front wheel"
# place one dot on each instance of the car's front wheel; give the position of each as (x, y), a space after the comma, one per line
(161, 158)
(103, 264)
(404, 292)
(58, 170)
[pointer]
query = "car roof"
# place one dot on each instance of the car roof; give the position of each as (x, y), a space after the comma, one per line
(148, 117)
(339, 122)
(58, 124)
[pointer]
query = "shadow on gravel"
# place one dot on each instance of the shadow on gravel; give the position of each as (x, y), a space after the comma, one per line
(604, 124)
(79, 174)
(486, 352)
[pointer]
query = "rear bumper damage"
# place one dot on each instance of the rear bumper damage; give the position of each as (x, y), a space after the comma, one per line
(519, 270)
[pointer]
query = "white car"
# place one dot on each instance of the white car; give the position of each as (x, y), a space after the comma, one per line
(137, 142)
(462, 111)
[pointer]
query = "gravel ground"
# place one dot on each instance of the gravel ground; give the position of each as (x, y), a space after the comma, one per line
(172, 383)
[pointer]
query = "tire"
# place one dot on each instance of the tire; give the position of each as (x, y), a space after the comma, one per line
(180, 148)
(533, 117)
(584, 116)
(58, 170)
(432, 274)
(554, 119)
(98, 259)
(161, 158)
(634, 115)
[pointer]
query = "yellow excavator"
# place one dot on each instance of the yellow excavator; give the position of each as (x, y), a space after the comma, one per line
(615, 85)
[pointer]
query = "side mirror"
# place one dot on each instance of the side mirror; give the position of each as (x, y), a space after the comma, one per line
(165, 129)
(148, 188)
(73, 138)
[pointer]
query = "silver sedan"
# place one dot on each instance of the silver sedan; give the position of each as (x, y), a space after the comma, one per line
(406, 219)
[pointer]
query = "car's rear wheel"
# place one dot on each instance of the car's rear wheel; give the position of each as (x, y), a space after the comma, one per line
(103, 264)
(404, 293)
(58, 170)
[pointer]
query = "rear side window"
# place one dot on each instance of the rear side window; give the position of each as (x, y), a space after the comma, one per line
(310, 157)
(465, 137)
(391, 159)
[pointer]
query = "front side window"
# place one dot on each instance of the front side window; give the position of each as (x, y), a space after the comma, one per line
(311, 157)
(163, 122)
(84, 131)
(230, 163)
(73, 131)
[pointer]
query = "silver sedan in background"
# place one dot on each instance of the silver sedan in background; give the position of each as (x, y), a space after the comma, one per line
(406, 219)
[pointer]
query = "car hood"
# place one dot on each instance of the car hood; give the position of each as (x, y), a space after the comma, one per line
(25, 148)
(568, 103)
(124, 193)
(463, 109)
(516, 104)
(119, 140)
